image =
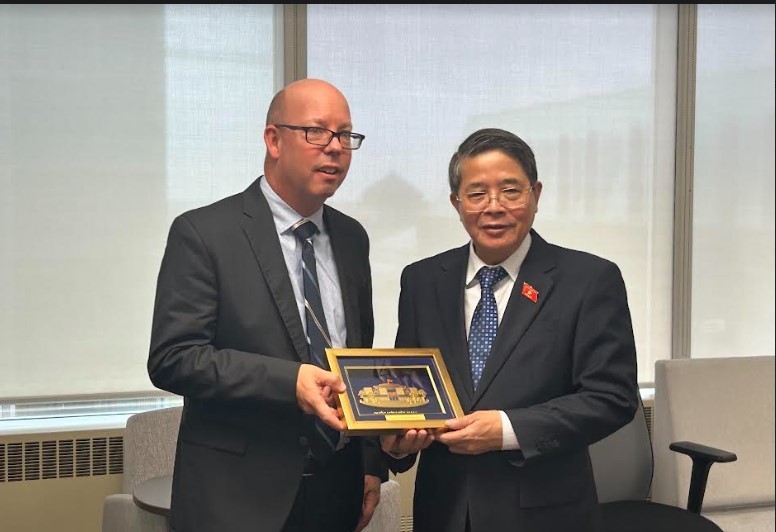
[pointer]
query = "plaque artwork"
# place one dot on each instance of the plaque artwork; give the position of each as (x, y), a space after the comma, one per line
(393, 390)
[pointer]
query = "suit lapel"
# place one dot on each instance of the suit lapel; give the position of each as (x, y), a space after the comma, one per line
(345, 270)
(259, 227)
(521, 310)
(450, 284)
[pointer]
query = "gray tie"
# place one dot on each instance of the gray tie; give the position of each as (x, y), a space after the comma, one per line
(318, 339)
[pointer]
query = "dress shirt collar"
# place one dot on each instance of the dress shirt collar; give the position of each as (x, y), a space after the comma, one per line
(511, 264)
(285, 217)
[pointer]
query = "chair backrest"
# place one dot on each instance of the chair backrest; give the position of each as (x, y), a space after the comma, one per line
(622, 462)
(149, 445)
(727, 403)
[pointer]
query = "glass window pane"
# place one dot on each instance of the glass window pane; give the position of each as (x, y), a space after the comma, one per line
(733, 209)
(113, 119)
(590, 88)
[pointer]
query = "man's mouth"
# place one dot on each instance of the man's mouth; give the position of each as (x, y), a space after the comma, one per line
(494, 228)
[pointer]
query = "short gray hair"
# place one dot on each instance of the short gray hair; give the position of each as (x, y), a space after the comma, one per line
(490, 139)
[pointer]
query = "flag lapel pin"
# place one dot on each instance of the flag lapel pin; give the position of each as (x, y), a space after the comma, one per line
(530, 292)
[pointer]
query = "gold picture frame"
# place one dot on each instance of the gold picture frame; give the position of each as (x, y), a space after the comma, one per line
(393, 390)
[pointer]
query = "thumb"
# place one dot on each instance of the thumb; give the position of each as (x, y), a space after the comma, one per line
(333, 381)
(387, 441)
(458, 423)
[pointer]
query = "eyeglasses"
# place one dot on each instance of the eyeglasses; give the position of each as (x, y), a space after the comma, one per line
(509, 198)
(322, 137)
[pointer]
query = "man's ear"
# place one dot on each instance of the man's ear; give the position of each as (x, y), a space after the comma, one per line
(454, 201)
(456, 205)
(272, 141)
(537, 192)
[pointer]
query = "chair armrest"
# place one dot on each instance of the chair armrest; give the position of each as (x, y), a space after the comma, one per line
(121, 514)
(387, 516)
(702, 459)
(702, 452)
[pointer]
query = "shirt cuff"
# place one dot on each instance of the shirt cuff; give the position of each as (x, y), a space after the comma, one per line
(396, 455)
(508, 437)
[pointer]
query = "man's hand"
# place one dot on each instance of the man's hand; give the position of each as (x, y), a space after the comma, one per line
(475, 433)
(371, 500)
(315, 389)
(412, 441)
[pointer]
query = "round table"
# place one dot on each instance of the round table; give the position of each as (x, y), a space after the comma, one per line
(153, 495)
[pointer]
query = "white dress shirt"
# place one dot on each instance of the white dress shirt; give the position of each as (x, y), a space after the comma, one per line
(502, 290)
(328, 280)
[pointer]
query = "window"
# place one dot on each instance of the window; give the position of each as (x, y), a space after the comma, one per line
(114, 119)
(590, 88)
(733, 200)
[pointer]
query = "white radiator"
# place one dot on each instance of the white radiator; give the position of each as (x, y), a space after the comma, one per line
(58, 481)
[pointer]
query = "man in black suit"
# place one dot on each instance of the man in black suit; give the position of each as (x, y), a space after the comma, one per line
(235, 332)
(539, 345)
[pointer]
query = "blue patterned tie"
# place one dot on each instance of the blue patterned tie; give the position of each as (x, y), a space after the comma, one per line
(318, 338)
(484, 321)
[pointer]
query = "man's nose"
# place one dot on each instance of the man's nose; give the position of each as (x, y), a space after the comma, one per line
(496, 197)
(332, 147)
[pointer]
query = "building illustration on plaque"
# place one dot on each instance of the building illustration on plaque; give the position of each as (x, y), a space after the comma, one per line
(389, 394)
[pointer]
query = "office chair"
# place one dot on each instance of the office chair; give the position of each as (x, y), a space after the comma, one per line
(728, 403)
(387, 516)
(623, 468)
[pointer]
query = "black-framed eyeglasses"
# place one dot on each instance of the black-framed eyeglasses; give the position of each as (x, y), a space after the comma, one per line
(320, 136)
(509, 198)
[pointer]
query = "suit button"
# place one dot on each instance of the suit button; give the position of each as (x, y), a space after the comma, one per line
(303, 441)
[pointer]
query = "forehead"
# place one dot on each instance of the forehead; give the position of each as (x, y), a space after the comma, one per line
(318, 107)
(491, 168)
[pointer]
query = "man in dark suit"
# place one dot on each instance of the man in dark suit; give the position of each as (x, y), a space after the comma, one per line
(539, 345)
(237, 333)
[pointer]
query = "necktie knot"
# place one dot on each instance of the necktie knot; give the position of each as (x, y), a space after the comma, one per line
(490, 276)
(304, 229)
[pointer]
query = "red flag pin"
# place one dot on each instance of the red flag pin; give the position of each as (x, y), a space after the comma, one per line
(530, 292)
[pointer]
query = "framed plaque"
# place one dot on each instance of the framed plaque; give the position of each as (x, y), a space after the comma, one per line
(393, 390)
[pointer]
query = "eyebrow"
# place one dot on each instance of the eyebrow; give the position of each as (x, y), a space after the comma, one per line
(317, 122)
(504, 182)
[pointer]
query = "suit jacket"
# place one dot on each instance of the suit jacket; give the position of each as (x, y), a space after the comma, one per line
(563, 368)
(227, 336)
